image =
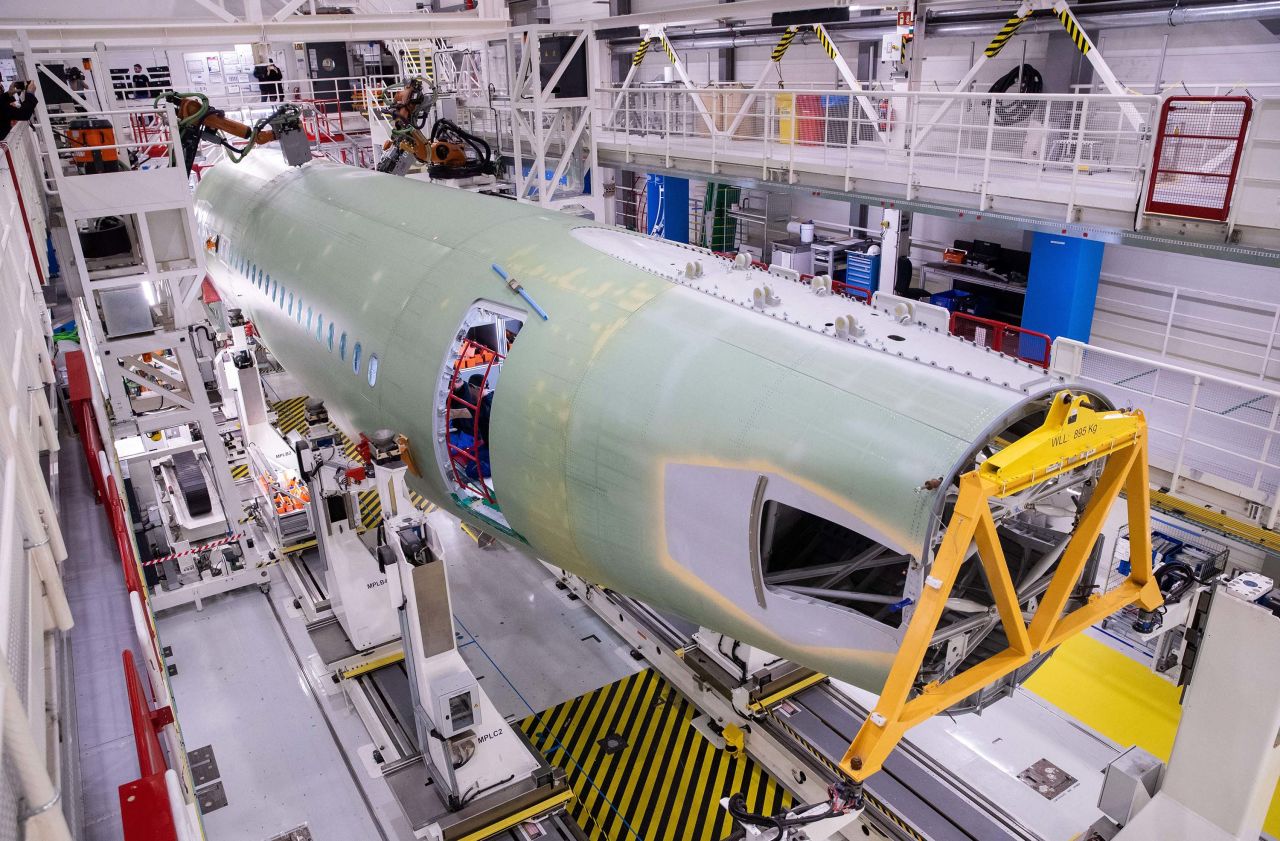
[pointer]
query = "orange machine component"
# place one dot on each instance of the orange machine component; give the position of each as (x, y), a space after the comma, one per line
(84, 134)
(449, 154)
(217, 121)
(474, 355)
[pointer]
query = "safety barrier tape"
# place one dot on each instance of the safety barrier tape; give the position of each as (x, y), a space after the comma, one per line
(194, 549)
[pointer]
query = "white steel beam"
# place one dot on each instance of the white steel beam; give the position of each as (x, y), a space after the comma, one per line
(217, 10)
(685, 80)
(1087, 48)
(569, 146)
(75, 96)
(211, 33)
(850, 79)
(743, 10)
(549, 88)
(288, 9)
(1100, 66)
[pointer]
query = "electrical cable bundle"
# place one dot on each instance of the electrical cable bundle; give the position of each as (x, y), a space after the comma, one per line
(448, 156)
(1016, 111)
(1174, 578)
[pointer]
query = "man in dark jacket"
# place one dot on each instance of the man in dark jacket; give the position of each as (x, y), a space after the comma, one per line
(274, 88)
(18, 104)
(141, 83)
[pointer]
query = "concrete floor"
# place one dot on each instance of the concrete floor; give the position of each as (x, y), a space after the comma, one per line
(104, 628)
(286, 745)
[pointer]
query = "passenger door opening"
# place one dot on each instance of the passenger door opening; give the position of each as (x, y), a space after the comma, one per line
(807, 555)
(469, 381)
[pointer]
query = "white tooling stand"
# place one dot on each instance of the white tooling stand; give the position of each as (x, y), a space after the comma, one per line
(272, 461)
(197, 540)
(1226, 756)
(471, 752)
(358, 588)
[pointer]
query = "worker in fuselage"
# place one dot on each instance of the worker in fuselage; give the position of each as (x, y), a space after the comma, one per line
(486, 407)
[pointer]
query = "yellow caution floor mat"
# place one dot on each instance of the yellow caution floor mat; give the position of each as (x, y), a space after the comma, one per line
(1119, 697)
(638, 768)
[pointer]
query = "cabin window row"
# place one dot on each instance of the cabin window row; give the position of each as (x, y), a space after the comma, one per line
(326, 333)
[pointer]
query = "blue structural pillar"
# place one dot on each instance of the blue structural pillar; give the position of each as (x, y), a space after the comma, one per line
(667, 207)
(1062, 286)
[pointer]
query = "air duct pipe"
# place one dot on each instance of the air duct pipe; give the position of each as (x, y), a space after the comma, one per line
(1125, 14)
(950, 23)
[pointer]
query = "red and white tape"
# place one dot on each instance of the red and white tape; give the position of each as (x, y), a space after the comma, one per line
(194, 549)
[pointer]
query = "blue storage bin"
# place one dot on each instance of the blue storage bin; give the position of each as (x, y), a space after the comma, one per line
(955, 300)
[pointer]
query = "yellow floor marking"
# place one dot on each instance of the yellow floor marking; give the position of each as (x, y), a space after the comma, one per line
(664, 782)
(1119, 697)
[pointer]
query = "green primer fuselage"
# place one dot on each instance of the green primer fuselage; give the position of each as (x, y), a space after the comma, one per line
(628, 430)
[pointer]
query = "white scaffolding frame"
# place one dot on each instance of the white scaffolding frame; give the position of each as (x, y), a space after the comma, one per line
(551, 132)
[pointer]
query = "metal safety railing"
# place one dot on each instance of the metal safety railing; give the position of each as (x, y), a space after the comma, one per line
(38, 780)
(97, 142)
(1229, 335)
(1072, 149)
(1198, 146)
(1202, 426)
(22, 201)
(1019, 342)
(164, 784)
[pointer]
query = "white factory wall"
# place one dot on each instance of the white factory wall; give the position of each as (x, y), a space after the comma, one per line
(1223, 52)
(947, 59)
(805, 64)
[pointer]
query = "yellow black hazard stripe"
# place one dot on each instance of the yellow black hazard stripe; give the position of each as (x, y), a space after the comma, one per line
(239, 472)
(429, 65)
(1217, 521)
(1076, 34)
(640, 52)
(825, 40)
(784, 43)
(639, 769)
(370, 509)
(671, 53)
(1009, 29)
(290, 414)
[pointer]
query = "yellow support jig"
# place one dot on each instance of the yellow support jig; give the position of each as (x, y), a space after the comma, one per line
(1073, 434)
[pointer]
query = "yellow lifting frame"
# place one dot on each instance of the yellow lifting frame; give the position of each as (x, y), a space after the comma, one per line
(1073, 434)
